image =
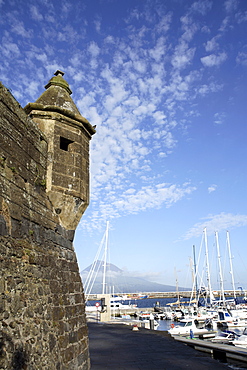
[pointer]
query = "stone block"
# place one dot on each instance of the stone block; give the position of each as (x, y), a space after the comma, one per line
(3, 226)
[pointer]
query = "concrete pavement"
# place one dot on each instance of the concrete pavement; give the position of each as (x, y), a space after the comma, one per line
(118, 347)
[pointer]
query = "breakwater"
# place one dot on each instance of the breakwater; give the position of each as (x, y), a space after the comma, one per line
(158, 295)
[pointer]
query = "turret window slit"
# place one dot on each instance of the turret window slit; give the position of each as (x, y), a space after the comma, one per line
(65, 143)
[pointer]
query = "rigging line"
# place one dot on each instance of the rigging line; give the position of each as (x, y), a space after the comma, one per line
(94, 278)
(93, 267)
(93, 274)
(99, 265)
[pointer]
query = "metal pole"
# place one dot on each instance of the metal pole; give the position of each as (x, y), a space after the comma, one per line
(230, 259)
(207, 263)
(220, 270)
(105, 257)
(194, 256)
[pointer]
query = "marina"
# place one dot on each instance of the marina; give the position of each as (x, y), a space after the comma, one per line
(218, 341)
(209, 321)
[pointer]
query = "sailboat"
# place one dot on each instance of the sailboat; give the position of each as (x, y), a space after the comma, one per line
(100, 265)
(204, 294)
(97, 265)
(229, 313)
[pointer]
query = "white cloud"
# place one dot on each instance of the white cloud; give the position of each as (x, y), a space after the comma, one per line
(132, 101)
(50, 68)
(231, 5)
(93, 49)
(9, 49)
(36, 13)
(162, 155)
(140, 66)
(166, 138)
(159, 50)
(182, 56)
(42, 57)
(224, 25)
(242, 58)
(220, 222)
(189, 27)
(109, 40)
(212, 188)
(142, 109)
(33, 88)
(68, 34)
(211, 45)
(206, 89)
(241, 17)
(202, 6)
(19, 29)
(97, 24)
(160, 117)
(135, 201)
(214, 60)
(219, 118)
(50, 18)
(147, 275)
(163, 25)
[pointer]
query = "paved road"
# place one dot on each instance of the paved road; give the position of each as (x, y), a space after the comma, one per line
(118, 347)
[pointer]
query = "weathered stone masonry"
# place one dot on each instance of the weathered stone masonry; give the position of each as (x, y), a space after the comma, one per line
(44, 182)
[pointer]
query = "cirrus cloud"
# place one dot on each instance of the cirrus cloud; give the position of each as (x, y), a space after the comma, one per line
(219, 222)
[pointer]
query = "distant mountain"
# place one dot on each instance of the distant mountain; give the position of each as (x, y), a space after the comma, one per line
(99, 266)
(117, 281)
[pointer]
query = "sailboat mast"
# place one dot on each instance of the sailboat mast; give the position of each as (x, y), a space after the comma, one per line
(195, 271)
(105, 258)
(175, 271)
(220, 269)
(88, 285)
(230, 260)
(207, 266)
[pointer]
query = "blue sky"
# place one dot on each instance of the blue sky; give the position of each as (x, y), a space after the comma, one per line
(165, 83)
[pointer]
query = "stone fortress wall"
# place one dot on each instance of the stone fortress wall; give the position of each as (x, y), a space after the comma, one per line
(44, 182)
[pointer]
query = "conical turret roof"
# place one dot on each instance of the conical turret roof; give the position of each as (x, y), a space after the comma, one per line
(58, 93)
(57, 99)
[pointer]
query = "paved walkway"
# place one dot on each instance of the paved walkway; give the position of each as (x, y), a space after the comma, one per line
(118, 347)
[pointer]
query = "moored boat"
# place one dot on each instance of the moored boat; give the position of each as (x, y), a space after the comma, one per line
(122, 306)
(225, 337)
(241, 341)
(188, 327)
(226, 319)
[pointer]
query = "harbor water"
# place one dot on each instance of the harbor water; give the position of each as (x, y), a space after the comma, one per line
(149, 304)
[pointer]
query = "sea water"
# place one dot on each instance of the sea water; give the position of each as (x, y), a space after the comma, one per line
(145, 303)
(165, 325)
